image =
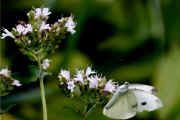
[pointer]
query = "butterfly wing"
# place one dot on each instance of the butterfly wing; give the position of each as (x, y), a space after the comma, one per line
(146, 88)
(146, 101)
(123, 108)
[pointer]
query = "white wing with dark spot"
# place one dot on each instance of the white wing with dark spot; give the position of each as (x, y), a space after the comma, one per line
(146, 101)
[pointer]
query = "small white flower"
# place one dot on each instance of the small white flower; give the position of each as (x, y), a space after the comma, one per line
(70, 24)
(65, 74)
(37, 12)
(110, 86)
(45, 64)
(89, 71)
(27, 29)
(42, 12)
(70, 86)
(45, 12)
(44, 26)
(20, 29)
(79, 76)
(93, 81)
(7, 34)
(24, 30)
(5, 72)
(16, 83)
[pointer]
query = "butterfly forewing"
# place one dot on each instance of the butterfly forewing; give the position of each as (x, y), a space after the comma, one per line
(146, 101)
(145, 88)
(123, 108)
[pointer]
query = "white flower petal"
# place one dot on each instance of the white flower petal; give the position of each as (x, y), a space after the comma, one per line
(45, 12)
(65, 74)
(79, 76)
(110, 86)
(7, 34)
(44, 26)
(20, 29)
(93, 81)
(27, 29)
(37, 12)
(70, 24)
(5, 72)
(89, 71)
(46, 64)
(24, 30)
(71, 86)
(16, 83)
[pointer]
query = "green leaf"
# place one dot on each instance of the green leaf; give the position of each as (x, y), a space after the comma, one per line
(31, 75)
(31, 56)
(168, 81)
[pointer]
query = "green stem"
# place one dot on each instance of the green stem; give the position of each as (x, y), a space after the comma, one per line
(89, 111)
(43, 99)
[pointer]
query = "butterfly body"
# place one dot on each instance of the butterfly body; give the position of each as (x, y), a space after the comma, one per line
(129, 99)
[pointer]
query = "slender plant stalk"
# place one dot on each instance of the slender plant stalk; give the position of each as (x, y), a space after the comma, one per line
(43, 99)
(89, 111)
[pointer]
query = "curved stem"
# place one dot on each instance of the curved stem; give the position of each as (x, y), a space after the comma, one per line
(43, 99)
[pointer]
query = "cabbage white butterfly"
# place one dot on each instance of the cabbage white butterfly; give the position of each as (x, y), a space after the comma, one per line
(131, 98)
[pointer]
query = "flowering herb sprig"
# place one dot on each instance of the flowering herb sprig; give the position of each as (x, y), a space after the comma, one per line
(37, 39)
(7, 83)
(87, 86)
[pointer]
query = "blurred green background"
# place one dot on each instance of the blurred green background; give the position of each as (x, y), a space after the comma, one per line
(127, 40)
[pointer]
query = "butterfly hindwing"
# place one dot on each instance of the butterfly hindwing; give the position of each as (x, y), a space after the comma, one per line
(123, 108)
(146, 101)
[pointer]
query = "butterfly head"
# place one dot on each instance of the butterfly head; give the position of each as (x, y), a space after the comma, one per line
(126, 84)
(123, 88)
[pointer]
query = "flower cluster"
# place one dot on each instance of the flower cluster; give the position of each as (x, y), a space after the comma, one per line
(86, 83)
(37, 37)
(45, 64)
(7, 82)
